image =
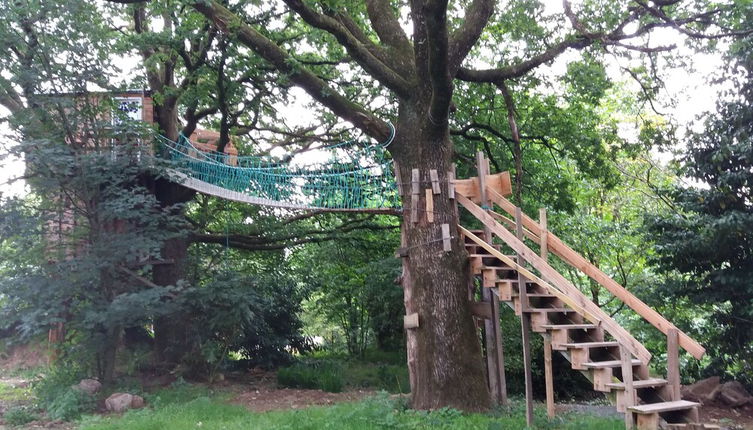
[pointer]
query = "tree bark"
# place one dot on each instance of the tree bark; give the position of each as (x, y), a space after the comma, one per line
(173, 338)
(444, 354)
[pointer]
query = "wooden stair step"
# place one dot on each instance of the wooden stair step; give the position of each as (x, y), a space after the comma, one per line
(569, 326)
(545, 295)
(563, 310)
(657, 408)
(591, 344)
(643, 383)
(609, 363)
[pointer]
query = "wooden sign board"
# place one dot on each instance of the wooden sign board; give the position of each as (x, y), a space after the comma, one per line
(500, 182)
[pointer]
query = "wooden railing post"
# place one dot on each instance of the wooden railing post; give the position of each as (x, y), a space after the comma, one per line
(492, 337)
(548, 372)
(673, 363)
(525, 323)
(627, 378)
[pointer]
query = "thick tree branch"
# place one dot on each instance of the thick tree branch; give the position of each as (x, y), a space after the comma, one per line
(355, 47)
(462, 40)
(387, 26)
(9, 97)
(435, 12)
(229, 23)
(259, 243)
(520, 69)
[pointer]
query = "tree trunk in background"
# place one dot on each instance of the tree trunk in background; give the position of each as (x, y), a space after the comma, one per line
(173, 337)
(444, 354)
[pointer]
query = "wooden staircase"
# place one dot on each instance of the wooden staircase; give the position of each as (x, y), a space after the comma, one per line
(588, 348)
(594, 343)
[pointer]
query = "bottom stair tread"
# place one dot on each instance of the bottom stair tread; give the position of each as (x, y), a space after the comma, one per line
(653, 408)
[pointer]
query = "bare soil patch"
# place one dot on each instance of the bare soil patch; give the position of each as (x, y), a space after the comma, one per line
(258, 392)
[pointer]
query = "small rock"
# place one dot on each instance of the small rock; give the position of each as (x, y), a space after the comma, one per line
(121, 402)
(702, 391)
(734, 394)
(88, 386)
(137, 402)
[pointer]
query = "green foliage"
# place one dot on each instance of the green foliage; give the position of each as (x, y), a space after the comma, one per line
(20, 415)
(707, 247)
(375, 370)
(378, 412)
(55, 393)
(319, 374)
(253, 317)
(351, 283)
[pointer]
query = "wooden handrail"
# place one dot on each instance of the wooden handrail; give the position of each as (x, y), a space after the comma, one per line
(555, 278)
(568, 255)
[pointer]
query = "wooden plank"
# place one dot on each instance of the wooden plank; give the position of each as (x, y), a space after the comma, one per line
(434, 181)
(446, 240)
(489, 325)
(627, 378)
(565, 286)
(500, 182)
(549, 378)
(451, 183)
(500, 352)
(415, 178)
(673, 364)
(574, 259)
(525, 319)
(410, 321)
(543, 236)
(653, 408)
(548, 372)
(482, 310)
(429, 206)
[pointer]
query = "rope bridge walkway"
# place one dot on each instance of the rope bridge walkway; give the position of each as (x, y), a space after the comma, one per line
(349, 179)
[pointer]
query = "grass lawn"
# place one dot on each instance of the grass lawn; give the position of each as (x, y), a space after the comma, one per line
(172, 411)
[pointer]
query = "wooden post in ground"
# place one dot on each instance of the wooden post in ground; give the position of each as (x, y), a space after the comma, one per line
(525, 323)
(627, 378)
(492, 337)
(548, 372)
(673, 363)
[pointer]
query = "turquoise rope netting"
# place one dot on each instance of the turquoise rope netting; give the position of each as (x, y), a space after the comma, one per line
(351, 178)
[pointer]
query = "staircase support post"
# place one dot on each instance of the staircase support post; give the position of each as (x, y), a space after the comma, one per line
(548, 372)
(492, 336)
(627, 378)
(525, 324)
(673, 363)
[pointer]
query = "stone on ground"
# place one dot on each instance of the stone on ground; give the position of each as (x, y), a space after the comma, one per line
(121, 402)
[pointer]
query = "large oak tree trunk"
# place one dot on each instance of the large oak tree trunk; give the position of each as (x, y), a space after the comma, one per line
(444, 354)
(173, 334)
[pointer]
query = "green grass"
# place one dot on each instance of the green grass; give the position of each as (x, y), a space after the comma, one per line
(334, 373)
(9, 394)
(380, 412)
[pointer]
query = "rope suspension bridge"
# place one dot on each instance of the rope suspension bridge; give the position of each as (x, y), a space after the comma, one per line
(351, 178)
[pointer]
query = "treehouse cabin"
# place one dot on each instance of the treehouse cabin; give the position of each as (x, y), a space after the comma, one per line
(139, 105)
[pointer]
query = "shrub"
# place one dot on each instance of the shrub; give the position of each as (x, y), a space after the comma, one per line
(20, 415)
(322, 375)
(56, 395)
